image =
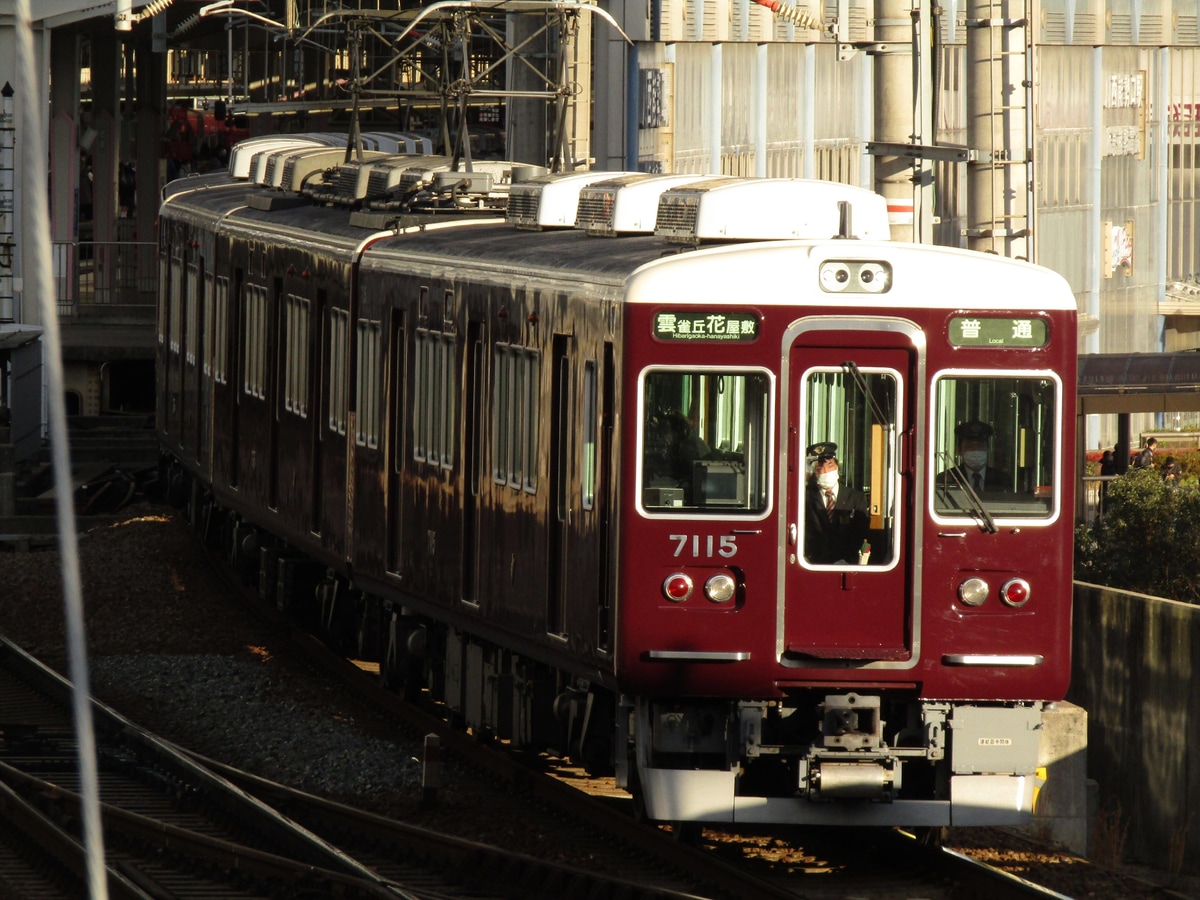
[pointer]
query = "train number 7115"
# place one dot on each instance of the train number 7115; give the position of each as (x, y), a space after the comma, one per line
(705, 545)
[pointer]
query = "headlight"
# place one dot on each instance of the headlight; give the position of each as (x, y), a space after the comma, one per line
(855, 276)
(973, 591)
(835, 276)
(720, 588)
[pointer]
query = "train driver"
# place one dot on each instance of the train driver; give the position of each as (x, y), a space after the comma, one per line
(836, 520)
(974, 446)
(672, 447)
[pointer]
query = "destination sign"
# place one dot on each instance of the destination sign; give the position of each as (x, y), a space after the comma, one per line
(706, 326)
(985, 331)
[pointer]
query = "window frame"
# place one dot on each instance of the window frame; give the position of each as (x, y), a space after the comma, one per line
(769, 450)
(934, 465)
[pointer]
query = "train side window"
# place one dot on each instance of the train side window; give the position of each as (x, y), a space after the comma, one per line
(206, 349)
(367, 389)
(434, 398)
(192, 312)
(174, 322)
(339, 364)
(515, 411)
(850, 438)
(705, 441)
(295, 372)
(588, 479)
(996, 436)
(164, 287)
(220, 349)
(255, 330)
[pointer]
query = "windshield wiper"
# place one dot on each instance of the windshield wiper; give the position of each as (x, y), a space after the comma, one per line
(852, 369)
(977, 506)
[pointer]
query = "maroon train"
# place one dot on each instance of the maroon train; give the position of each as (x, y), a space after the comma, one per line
(556, 476)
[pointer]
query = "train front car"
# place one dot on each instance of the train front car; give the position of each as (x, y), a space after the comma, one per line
(846, 578)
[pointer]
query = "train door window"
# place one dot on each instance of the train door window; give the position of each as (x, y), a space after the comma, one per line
(175, 320)
(515, 410)
(435, 395)
(339, 365)
(192, 312)
(996, 440)
(588, 477)
(206, 346)
(255, 329)
(220, 349)
(164, 287)
(295, 373)
(366, 392)
(705, 441)
(850, 459)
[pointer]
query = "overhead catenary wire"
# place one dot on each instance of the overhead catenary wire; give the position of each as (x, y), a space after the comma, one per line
(39, 284)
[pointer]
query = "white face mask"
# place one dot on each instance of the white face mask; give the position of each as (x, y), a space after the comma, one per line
(827, 480)
(975, 459)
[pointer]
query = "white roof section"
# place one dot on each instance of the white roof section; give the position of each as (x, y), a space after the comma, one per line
(242, 156)
(551, 201)
(771, 209)
(627, 204)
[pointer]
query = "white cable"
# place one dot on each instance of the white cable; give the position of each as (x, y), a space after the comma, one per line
(39, 284)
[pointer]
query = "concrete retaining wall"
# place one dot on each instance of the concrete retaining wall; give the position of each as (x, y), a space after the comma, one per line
(1134, 671)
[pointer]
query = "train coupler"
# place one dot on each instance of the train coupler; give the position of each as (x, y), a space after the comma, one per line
(859, 779)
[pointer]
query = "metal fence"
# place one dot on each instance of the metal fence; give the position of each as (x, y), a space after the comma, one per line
(1095, 490)
(106, 273)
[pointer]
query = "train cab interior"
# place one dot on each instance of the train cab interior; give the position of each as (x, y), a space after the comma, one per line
(995, 437)
(705, 441)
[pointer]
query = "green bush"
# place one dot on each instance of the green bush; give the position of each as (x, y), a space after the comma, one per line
(1147, 539)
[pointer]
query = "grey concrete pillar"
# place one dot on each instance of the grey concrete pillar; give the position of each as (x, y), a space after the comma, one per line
(106, 123)
(894, 92)
(998, 137)
(64, 139)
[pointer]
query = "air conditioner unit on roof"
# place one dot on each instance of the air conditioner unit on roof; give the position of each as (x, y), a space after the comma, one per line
(627, 204)
(764, 209)
(550, 201)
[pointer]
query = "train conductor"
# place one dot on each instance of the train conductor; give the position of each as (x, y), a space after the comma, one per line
(836, 520)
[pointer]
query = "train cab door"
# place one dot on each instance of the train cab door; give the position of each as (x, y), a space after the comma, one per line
(847, 595)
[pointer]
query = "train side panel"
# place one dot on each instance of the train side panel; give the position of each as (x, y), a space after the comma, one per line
(489, 518)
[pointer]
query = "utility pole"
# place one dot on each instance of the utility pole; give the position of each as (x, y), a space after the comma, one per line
(904, 123)
(903, 144)
(999, 128)
(998, 153)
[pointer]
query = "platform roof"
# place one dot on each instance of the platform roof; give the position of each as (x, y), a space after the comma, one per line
(1139, 382)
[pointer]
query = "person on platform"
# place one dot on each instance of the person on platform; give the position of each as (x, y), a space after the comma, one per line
(1145, 459)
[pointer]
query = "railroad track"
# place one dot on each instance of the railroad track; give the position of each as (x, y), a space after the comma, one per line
(175, 827)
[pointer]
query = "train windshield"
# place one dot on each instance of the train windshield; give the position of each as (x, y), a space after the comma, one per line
(995, 440)
(704, 441)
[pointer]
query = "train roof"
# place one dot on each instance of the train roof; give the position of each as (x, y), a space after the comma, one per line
(750, 240)
(651, 270)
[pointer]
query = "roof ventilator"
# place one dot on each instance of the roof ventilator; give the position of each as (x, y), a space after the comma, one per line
(764, 209)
